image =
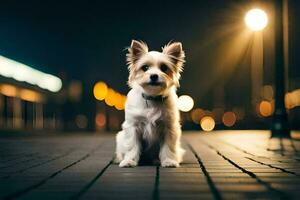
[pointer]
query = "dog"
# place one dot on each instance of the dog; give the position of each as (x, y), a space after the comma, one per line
(152, 119)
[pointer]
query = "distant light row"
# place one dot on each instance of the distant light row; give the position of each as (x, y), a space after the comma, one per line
(207, 119)
(24, 94)
(23, 73)
(111, 97)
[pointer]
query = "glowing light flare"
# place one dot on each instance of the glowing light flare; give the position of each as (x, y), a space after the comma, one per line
(256, 19)
(231, 50)
(49, 82)
(100, 120)
(29, 95)
(185, 103)
(197, 114)
(111, 97)
(23, 73)
(229, 119)
(265, 108)
(292, 99)
(207, 123)
(100, 90)
(24, 94)
(8, 90)
(120, 103)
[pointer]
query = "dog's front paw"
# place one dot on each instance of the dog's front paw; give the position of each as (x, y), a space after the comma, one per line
(169, 163)
(118, 158)
(128, 163)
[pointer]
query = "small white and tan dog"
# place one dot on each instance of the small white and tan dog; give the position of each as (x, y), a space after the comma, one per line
(152, 120)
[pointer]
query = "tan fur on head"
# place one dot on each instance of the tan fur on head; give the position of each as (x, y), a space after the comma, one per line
(176, 54)
(138, 54)
(135, 51)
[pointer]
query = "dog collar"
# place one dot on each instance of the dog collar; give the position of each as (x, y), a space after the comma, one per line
(158, 98)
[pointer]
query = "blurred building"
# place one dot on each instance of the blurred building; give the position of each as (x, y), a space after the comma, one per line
(28, 98)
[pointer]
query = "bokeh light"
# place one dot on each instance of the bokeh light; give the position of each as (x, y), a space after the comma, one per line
(23, 73)
(256, 19)
(267, 92)
(100, 90)
(111, 97)
(8, 90)
(197, 115)
(120, 103)
(265, 108)
(185, 103)
(292, 99)
(207, 123)
(29, 95)
(229, 119)
(24, 94)
(100, 120)
(75, 90)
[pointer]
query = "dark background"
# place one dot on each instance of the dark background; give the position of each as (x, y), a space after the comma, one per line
(86, 40)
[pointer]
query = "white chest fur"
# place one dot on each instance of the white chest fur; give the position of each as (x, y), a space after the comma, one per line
(149, 117)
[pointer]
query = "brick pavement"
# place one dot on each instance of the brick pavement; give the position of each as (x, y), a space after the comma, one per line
(217, 165)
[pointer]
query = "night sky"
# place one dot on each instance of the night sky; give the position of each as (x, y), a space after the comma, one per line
(86, 40)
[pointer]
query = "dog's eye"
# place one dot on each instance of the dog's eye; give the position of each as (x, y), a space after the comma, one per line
(145, 67)
(164, 68)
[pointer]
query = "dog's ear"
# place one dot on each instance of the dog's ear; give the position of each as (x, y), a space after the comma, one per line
(176, 54)
(135, 51)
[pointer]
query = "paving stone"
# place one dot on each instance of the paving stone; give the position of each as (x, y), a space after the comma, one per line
(222, 165)
(240, 187)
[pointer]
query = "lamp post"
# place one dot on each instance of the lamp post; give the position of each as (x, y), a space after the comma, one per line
(280, 127)
(257, 20)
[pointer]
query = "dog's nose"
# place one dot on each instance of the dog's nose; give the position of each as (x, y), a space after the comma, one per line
(153, 77)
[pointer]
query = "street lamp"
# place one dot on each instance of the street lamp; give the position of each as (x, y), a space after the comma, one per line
(257, 20)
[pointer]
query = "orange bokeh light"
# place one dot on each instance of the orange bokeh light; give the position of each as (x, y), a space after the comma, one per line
(197, 114)
(8, 90)
(265, 108)
(100, 91)
(229, 119)
(292, 99)
(100, 120)
(120, 103)
(110, 98)
(30, 95)
(207, 123)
